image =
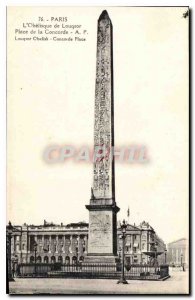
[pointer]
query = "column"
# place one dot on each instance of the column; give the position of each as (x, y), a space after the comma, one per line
(79, 246)
(50, 244)
(86, 243)
(132, 242)
(70, 247)
(57, 244)
(64, 244)
(28, 249)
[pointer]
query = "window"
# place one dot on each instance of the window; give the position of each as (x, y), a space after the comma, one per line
(53, 259)
(46, 260)
(128, 261)
(60, 259)
(74, 260)
(32, 259)
(23, 246)
(39, 259)
(60, 247)
(143, 246)
(67, 260)
(60, 238)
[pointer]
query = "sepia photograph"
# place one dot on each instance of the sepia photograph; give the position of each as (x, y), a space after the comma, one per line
(98, 150)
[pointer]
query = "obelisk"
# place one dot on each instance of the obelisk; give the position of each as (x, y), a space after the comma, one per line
(102, 240)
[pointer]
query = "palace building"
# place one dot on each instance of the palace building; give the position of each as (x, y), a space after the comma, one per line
(177, 253)
(68, 244)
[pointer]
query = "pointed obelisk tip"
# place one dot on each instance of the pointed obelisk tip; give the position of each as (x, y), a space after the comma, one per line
(104, 15)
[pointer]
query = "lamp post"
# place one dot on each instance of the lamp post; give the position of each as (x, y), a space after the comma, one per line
(165, 256)
(123, 230)
(8, 252)
(35, 250)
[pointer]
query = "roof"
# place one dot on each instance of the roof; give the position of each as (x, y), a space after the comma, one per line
(132, 227)
(145, 225)
(179, 241)
(79, 224)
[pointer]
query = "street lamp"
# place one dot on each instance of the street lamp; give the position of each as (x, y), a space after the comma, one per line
(35, 250)
(123, 230)
(165, 256)
(9, 262)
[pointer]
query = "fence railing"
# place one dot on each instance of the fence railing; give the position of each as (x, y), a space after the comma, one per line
(83, 270)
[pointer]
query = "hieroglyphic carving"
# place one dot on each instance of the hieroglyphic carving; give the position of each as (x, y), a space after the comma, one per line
(102, 177)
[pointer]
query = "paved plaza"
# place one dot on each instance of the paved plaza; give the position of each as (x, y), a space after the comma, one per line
(176, 284)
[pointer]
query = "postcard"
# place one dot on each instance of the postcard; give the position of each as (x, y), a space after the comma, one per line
(97, 150)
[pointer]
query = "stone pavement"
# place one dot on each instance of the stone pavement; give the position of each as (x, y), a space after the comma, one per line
(177, 284)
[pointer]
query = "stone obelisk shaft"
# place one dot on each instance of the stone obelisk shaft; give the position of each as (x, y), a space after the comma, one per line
(102, 243)
(103, 176)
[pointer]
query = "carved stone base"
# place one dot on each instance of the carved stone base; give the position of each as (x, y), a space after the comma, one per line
(102, 232)
(101, 259)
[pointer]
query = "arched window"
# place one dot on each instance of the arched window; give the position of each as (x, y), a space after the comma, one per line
(46, 260)
(81, 258)
(60, 259)
(32, 259)
(67, 260)
(39, 259)
(74, 260)
(53, 259)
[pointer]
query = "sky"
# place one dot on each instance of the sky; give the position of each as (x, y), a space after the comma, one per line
(51, 93)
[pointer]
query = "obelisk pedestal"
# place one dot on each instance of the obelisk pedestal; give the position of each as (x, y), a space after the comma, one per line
(102, 238)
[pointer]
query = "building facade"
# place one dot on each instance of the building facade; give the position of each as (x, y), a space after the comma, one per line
(142, 245)
(51, 243)
(177, 252)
